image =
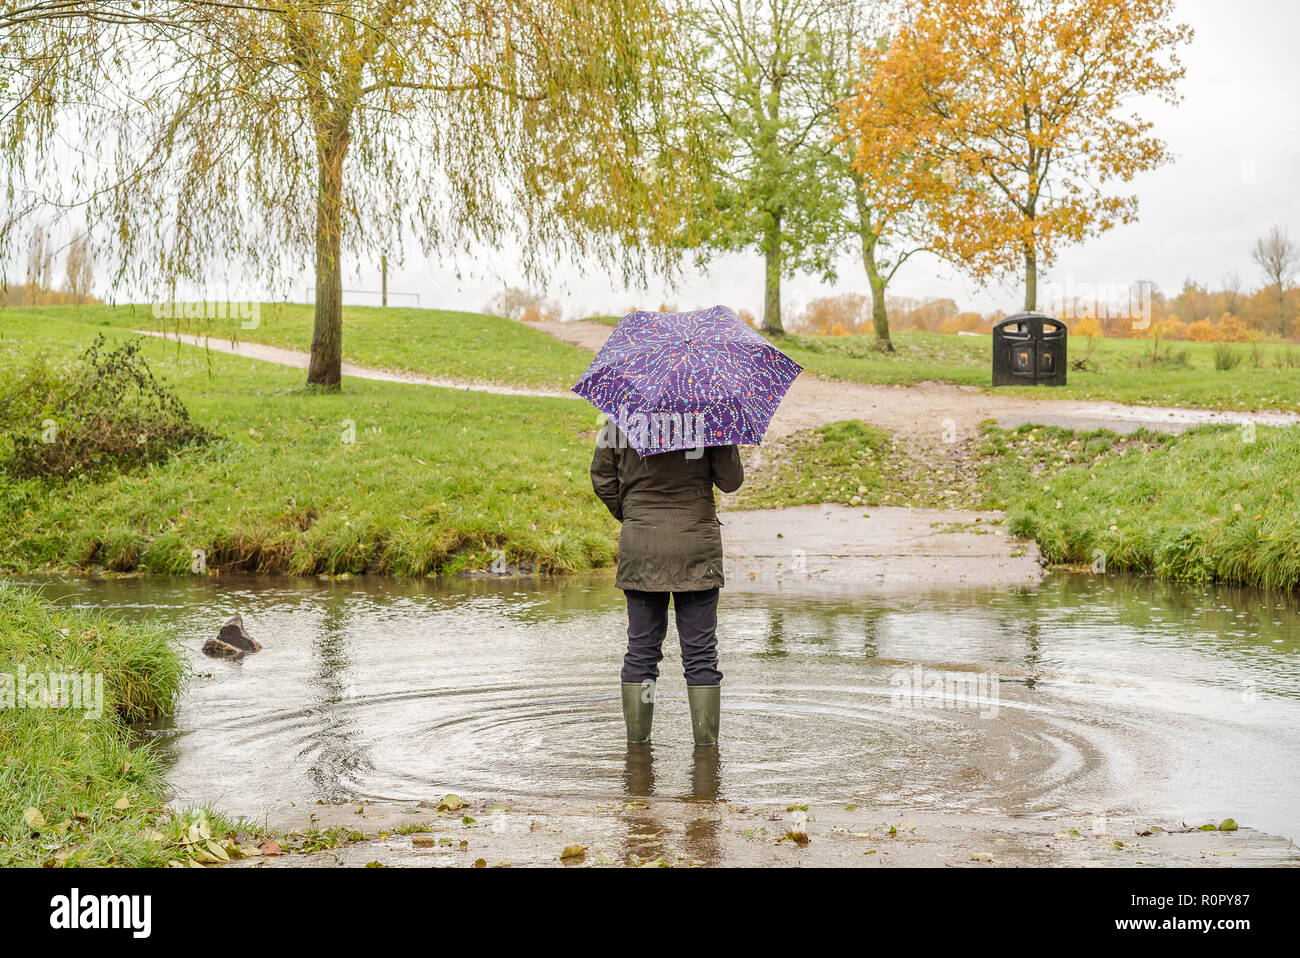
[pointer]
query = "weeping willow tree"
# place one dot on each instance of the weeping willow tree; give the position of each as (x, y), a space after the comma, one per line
(285, 136)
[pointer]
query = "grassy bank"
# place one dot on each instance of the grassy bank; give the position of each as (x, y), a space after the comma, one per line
(392, 479)
(380, 478)
(854, 464)
(1206, 505)
(477, 347)
(73, 789)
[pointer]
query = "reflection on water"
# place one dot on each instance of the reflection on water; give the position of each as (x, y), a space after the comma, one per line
(1112, 696)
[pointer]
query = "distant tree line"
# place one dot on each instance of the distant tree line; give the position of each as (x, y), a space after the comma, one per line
(1229, 313)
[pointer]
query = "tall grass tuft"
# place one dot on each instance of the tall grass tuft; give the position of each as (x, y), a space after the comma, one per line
(1226, 358)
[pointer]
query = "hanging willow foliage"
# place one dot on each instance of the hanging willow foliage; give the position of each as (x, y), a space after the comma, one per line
(281, 134)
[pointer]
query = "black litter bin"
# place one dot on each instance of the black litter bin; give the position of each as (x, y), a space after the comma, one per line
(1029, 350)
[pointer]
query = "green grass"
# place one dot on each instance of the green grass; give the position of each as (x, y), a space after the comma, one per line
(439, 481)
(477, 347)
(93, 792)
(850, 463)
(1203, 506)
(1267, 375)
(435, 481)
(456, 345)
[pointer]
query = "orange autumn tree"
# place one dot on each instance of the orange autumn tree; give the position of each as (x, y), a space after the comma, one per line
(1023, 109)
(896, 187)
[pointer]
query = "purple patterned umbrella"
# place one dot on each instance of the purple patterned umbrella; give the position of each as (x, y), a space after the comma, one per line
(687, 380)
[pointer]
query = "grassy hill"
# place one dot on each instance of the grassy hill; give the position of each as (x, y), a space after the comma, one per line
(469, 346)
(381, 477)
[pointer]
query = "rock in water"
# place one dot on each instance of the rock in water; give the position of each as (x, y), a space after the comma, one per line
(219, 650)
(232, 642)
(232, 633)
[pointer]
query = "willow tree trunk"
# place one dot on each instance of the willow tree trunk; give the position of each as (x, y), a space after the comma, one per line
(772, 278)
(879, 312)
(325, 368)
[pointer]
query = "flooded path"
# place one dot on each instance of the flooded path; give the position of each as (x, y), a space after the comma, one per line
(1078, 704)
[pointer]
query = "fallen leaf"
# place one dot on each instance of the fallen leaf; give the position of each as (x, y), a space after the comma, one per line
(573, 851)
(34, 818)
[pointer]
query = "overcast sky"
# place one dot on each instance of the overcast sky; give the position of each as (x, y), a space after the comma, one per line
(1236, 142)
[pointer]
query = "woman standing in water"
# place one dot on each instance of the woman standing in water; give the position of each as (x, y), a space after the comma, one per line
(670, 545)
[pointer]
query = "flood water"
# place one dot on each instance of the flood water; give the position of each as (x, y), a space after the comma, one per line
(1084, 695)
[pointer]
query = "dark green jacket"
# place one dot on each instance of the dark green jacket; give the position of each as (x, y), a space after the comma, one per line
(671, 541)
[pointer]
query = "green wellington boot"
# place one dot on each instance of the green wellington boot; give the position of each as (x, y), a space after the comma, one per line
(638, 710)
(706, 702)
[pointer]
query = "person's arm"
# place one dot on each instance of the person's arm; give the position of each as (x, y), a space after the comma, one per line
(725, 468)
(604, 479)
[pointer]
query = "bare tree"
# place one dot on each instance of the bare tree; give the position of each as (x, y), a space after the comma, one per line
(1279, 258)
(1232, 298)
(40, 257)
(80, 269)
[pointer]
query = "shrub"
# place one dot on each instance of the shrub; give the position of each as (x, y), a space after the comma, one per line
(1225, 357)
(105, 411)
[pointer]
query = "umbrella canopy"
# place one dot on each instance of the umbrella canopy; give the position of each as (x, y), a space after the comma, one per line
(688, 380)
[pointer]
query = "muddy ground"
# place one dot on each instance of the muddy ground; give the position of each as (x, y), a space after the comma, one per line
(501, 831)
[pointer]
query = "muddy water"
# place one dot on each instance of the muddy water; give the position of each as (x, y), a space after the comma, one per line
(1084, 695)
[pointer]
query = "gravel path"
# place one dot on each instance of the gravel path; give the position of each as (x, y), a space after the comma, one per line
(929, 413)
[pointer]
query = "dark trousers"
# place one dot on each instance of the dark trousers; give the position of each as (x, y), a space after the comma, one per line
(697, 628)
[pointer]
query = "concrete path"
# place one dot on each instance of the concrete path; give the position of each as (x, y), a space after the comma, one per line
(830, 548)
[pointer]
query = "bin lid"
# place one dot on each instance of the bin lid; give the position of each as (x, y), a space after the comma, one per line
(1030, 319)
